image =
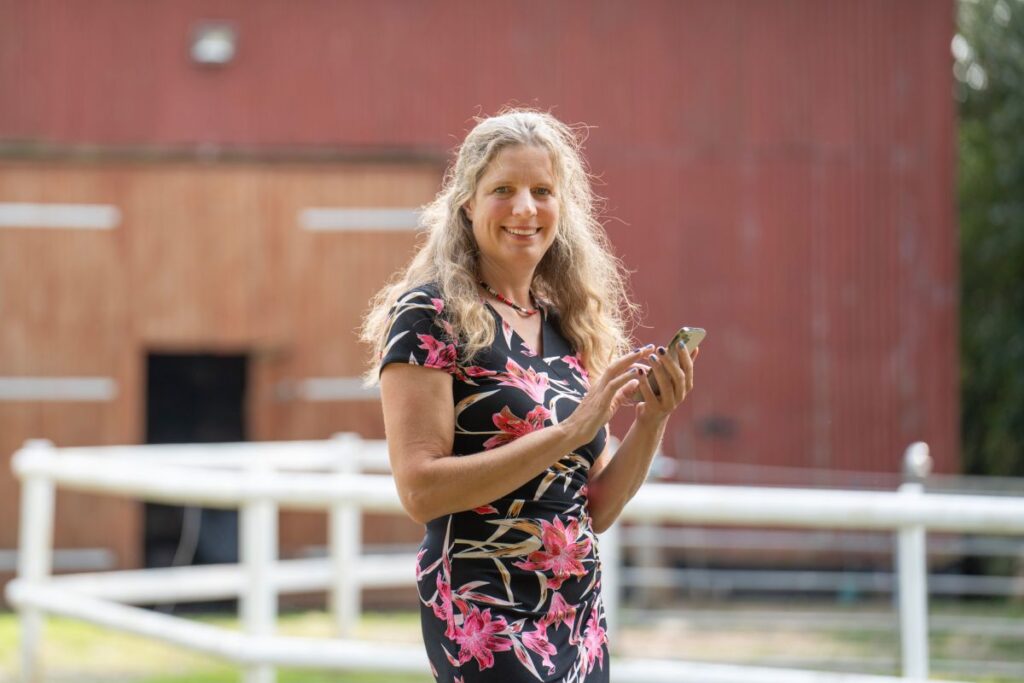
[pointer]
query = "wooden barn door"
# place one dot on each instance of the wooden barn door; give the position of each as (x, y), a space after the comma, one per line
(103, 265)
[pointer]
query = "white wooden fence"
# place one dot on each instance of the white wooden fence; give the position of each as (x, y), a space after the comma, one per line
(260, 478)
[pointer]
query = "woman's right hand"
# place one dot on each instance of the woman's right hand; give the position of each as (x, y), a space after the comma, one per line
(619, 381)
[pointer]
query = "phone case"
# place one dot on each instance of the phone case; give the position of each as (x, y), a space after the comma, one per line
(691, 337)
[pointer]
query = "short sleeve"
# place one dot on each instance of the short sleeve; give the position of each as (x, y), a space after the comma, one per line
(418, 333)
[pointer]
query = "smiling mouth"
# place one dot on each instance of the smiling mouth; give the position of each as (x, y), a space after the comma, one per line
(521, 232)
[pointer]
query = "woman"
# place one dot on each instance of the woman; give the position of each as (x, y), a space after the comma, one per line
(517, 300)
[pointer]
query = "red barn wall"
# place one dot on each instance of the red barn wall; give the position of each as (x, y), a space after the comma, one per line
(780, 173)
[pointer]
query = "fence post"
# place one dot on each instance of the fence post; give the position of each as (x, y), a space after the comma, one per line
(912, 563)
(35, 552)
(259, 558)
(647, 550)
(345, 542)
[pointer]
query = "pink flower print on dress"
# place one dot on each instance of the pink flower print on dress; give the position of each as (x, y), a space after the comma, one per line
(537, 640)
(463, 373)
(575, 364)
(486, 510)
(438, 304)
(443, 606)
(419, 564)
(513, 427)
(593, 638)
(479, 638)
(529, 380)
(439, 354)
(560, 612)
(562, 552)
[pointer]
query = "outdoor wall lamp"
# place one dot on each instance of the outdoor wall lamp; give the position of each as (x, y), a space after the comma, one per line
(213, 43)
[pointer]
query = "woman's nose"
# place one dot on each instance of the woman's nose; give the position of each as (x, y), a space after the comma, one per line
(524, 205)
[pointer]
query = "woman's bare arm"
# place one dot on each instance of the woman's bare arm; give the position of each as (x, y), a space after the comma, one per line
(419, 420)
(615, 480)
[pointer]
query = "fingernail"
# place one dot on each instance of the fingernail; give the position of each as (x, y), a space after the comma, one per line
(636, 371)
(653, 358)
(661, 350)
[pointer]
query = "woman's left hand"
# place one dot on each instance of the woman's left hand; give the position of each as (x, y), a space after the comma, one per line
(675, 381)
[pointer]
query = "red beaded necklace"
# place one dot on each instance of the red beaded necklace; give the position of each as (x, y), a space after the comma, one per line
(515, 307)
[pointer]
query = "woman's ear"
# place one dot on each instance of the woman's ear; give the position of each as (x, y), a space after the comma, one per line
(467, 209)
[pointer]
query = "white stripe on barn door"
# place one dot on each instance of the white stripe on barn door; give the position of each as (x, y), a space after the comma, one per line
(74, 216)
(57, 389)
(325, 219)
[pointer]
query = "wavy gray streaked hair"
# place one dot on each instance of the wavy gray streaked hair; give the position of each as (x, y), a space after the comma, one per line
(579, 274)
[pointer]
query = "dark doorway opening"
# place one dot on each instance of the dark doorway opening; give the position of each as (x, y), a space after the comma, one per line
(193, 398)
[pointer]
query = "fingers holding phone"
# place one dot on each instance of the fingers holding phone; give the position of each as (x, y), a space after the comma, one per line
(686, 360)
(671, 382)
(670, 372)
(606, 395)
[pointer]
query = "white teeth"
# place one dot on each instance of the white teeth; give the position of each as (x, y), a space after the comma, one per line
(524, 233)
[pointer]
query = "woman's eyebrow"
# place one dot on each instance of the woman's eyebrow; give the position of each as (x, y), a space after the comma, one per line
(510, 181)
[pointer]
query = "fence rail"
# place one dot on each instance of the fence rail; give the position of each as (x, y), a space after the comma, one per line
(261, 478)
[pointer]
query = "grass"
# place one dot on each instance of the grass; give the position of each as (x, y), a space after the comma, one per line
(82, 653)
(288, 676)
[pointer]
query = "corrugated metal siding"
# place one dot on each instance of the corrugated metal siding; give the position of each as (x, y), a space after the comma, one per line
(779, 172)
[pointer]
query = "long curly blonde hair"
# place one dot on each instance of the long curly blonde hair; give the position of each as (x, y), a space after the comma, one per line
(579, 275)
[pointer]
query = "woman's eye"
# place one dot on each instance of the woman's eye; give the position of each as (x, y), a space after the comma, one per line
(502, 190)
(542, 190)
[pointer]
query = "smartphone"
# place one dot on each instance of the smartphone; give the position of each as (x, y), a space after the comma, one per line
(691, 337)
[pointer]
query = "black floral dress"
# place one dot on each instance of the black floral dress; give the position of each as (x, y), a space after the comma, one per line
(509, 591)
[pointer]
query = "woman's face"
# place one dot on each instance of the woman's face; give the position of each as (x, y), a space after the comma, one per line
(514, 210)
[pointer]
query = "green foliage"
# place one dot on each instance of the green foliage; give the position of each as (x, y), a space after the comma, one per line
(990, 90)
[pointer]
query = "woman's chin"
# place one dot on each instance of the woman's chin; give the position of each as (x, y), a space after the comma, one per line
(523, 256)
